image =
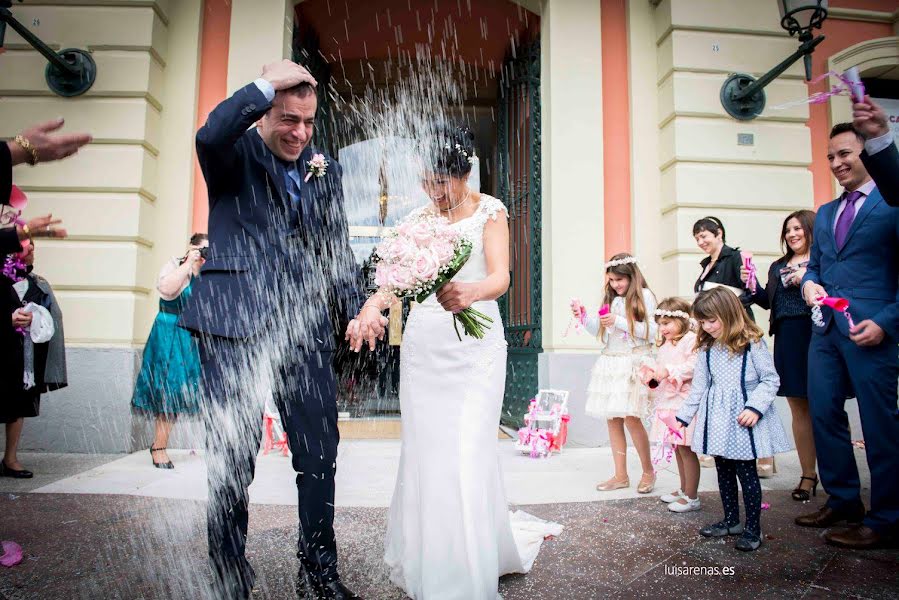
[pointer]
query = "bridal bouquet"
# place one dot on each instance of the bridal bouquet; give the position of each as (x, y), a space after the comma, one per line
(419, 257)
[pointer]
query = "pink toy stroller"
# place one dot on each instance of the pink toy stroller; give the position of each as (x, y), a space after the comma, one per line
(545, 425)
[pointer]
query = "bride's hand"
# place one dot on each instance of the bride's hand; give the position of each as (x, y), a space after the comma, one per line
(456, 297)
(368, 326)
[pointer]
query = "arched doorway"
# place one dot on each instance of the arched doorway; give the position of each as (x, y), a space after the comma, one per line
(488, 53)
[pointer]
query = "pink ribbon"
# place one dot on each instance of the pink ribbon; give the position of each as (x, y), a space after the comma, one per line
(851, 85)
(665, 450)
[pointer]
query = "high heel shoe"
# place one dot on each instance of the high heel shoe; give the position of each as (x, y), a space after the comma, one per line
(801, 495)
(765, 471)
(160, 465)
(613, 484)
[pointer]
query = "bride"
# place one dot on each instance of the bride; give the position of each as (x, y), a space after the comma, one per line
(449, 533)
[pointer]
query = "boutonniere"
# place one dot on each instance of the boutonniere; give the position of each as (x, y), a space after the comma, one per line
(317, 166)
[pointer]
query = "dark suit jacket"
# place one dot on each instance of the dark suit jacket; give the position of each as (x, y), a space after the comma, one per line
(865, 271)
(271, 265)
(726, 272)
(883, 167)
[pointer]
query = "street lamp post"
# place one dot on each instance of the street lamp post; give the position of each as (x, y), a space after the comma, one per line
(70, 72)
(743, 96)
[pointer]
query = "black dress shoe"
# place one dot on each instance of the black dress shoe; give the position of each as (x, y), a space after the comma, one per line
(333, 590)
(826, 516)
(9, 472)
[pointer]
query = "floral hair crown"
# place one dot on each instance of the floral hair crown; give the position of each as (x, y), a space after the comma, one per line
(460, 150)
(627, 260)
(672, 313)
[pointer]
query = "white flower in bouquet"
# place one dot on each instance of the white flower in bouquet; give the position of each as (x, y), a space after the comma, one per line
(419, 257)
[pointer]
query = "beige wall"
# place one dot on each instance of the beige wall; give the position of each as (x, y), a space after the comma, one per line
(571, 104)
(125, 198)
(702, 170)
(261, 32)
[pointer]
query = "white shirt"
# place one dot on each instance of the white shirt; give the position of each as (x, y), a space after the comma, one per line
(875, 145)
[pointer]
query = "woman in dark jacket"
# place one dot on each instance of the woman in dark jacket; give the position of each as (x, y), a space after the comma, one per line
(791, 327)
(44, 365)
(723, 263)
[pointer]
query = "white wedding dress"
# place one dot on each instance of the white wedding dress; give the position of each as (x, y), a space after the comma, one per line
(449, 533)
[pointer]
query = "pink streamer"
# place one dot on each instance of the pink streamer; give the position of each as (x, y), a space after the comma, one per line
(851, 85)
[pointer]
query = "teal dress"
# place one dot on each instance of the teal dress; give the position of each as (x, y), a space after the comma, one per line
(170, 373)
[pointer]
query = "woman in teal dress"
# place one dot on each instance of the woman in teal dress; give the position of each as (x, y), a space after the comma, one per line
(168, 384)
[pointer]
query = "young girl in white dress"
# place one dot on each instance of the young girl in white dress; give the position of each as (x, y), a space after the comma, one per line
(616, 392)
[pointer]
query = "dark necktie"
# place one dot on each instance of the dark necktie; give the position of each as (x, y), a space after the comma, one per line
(844, 223)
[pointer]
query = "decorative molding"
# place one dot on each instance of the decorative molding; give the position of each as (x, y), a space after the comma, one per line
(786, 208)
(728, 30)
(154, 4)
(763, 118)
(134, 289)
(721, 161)
(867, 16)
(677, 252)
(671, 72)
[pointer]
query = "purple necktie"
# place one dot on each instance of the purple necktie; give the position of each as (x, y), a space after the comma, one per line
(844, 223)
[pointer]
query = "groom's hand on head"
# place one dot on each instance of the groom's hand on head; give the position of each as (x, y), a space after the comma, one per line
(285, 74)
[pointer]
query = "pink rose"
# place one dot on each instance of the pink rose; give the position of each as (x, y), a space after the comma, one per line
(399, 277)
(398, 249)
(421, 233)
(425, 267)
(403, 228)
(443, 250)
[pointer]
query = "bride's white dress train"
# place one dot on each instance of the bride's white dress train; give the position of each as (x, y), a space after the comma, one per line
(450, 534)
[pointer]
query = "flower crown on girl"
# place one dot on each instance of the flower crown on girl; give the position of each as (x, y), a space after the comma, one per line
(677, 314)
(627, 260)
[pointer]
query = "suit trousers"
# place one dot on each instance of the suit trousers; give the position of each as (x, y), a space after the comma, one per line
(238, 376)
(836, 366)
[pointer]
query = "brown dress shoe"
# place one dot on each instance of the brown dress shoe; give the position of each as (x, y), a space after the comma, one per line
(826, 516)
(860, 537)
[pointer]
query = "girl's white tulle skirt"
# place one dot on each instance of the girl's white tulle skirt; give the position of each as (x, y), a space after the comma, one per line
(615, 389)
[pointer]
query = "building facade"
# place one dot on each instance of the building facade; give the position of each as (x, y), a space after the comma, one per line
(599, 123)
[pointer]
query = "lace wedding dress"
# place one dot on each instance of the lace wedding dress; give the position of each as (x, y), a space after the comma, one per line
(450, 534)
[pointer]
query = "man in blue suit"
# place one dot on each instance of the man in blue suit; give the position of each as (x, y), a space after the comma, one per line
(279, 275)
(881, 157)
(854, 256)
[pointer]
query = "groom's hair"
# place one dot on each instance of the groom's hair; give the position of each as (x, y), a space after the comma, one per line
(301, 89)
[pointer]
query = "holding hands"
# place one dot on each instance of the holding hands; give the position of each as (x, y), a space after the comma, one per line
(285, 74)
(368, 326)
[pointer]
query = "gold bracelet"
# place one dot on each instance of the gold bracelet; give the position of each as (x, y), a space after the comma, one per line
(27, 147)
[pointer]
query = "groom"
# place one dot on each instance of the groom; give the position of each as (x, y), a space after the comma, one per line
(279, 275)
